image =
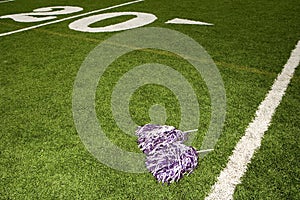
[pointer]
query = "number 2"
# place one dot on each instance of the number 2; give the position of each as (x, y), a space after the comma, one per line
(48, 12)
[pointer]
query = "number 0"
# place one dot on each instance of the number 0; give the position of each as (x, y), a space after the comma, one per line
(141, 19)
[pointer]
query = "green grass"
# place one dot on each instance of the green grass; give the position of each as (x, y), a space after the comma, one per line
(274, 173)
(41, 154)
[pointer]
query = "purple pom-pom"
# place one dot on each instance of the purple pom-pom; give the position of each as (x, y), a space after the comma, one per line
(152, 137)
(168, 159)
(169, 164)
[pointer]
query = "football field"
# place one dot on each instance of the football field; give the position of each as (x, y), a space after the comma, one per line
(78, 77)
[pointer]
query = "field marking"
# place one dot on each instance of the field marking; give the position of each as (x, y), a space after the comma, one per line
(251, 141)
(67, 18)
(5, 1)
(187, 21)
(141, 19)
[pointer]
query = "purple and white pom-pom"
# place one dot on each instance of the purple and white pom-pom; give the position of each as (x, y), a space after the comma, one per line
(169, 164)
(153, 137)
(168, 159)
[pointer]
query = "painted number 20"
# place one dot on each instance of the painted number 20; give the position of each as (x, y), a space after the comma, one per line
(83, 25)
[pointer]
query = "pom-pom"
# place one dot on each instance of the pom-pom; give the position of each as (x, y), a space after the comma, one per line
(168, 159)
(169, 164)
(153, 137)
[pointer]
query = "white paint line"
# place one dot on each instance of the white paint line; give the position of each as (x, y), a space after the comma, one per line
(6, 1)
(68, 18)
(251, 141)
(187, 21)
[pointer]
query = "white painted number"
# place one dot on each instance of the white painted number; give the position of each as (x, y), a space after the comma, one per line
(5, 1)
(84, 24)
(48, 12)
(141, 19)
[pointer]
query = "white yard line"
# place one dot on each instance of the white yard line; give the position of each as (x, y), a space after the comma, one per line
(251, 141)
(5, 1)
(67, 18)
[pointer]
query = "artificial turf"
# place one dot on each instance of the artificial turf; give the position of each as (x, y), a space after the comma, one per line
(41, 154)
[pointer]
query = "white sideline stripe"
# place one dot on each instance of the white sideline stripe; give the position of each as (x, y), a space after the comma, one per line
(6, 1)
(67, 18)
(251, 141)
(187, 21)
